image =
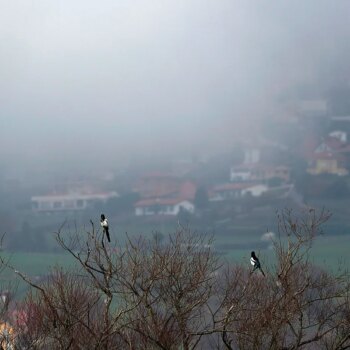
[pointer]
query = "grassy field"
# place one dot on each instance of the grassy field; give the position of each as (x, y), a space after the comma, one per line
(328, 252)
(233, 241)
(33, 265)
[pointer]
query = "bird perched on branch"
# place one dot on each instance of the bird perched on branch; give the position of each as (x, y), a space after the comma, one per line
(256, 263)
(104, 224)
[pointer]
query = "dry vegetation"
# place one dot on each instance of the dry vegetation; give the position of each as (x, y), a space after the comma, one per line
(178, 294)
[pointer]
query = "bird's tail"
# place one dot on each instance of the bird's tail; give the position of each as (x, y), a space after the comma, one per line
(107, 234)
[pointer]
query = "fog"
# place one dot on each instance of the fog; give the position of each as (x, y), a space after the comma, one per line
(86, 84)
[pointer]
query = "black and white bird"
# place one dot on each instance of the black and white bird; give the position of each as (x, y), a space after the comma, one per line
(104, 224)
(256, 263)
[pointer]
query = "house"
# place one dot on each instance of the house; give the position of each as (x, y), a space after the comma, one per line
(255, 190)
(231, 191)
(227, 191)
(241, 173)
(70, 201)
(331, 156)
(340, 135)
(156, 185)
(163, 206)
(165, 186)
(327, 163)
(257, 172)
(164, 194)
(331, 144)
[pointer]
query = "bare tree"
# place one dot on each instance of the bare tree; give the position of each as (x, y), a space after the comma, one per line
(176, 293)
(296, 306)
(63, 312)
(143, 295)
(172, 285)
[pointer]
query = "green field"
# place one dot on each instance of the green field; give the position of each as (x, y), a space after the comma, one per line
(233, 240)
(34, 265)
(328, 251)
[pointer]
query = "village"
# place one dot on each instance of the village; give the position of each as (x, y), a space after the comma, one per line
(288, 171)
(307, 155)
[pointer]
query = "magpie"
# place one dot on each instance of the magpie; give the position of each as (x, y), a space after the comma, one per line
(256, 263)
(104, 224)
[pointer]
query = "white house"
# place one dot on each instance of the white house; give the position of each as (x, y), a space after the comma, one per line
(255, 190)
(238, 174)
(236, 190)
(162, 206)
(258, 173)
(338, 134)
(69, 201)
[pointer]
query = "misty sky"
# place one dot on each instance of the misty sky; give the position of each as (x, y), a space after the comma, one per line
(82, 78)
